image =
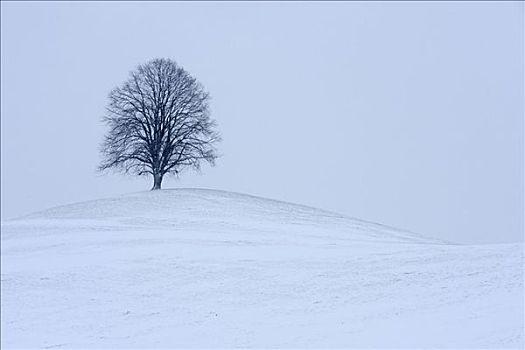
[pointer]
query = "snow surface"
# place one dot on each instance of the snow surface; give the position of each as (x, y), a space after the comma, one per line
(203, 268)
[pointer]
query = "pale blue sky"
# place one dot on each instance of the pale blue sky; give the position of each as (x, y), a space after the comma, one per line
(409, 114)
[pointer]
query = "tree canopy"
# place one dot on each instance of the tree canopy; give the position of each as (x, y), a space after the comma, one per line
(159, 123)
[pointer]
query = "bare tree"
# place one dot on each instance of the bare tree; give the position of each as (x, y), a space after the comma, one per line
(159, 123)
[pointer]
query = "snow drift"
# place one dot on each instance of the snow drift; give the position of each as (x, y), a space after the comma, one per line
(203, 268)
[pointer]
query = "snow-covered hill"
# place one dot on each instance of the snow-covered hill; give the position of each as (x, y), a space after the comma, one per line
(203, 268)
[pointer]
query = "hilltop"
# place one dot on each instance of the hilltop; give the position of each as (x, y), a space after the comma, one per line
(207, 268)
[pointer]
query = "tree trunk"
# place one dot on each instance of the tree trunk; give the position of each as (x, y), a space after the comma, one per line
(157, 181)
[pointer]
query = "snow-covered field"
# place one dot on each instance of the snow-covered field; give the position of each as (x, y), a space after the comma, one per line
(203, 268)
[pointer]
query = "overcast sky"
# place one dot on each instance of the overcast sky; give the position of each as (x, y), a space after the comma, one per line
(409, 114)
